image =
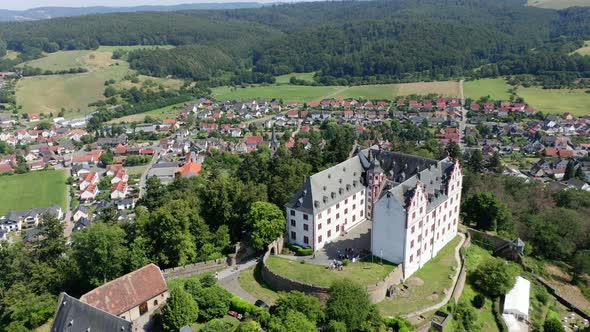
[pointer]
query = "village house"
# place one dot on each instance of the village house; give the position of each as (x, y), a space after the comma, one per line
(133, 297)
(119, 190)
(89, 193)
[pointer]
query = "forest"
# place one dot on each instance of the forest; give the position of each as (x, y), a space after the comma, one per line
(348, 42)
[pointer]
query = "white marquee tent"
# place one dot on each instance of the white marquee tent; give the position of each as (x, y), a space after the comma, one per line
(516, 302)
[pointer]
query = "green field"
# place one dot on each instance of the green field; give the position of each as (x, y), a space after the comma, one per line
(284, 79)
(11, 55)
(32, 190)
(584, 50)
(44, 94)
(298, 93)
(365, 273)
(496, 88)
(434, 277)
(557, 101)
(302, 93)
(558, 4)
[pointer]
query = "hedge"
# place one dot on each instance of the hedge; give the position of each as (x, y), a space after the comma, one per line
(299, 251)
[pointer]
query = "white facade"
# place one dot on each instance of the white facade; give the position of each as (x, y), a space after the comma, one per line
(315, 231)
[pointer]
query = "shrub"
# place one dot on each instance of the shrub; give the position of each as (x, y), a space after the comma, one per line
(336, 326)
(542, 296)
(239, 305)
(208, 281)
(478, 301)
(345, 261)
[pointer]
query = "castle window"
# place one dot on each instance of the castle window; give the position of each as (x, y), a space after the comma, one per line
(337, 216)
(362, 201)
(413, 228)
(337, 228)
(292, 212)
(412, 244)
(329, 233)
(354, 196)
(346, 201)
(456, 209)
(320, 239)
(329, 210)
(293, 223)
(305, 217)
(305, 227)
(319, 226)
(420, 224)
(338, 205)
(421, 209)
(293, 235)
(354, 206)
(353, 218)
(329, 220)
(362, 212)
(431, 241)
(345, 211)
(411, 258)
(446, 205)
(305, 240)
(414, 215)
(319, 216)
(418, 252)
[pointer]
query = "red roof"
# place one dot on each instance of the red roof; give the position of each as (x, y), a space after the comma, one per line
(127, 292)
(189, 168)
(120, 149)
(551, 152)
(119, 186)
(254, 140)
(5, 168)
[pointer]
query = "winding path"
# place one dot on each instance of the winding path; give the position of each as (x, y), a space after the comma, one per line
(228, 279)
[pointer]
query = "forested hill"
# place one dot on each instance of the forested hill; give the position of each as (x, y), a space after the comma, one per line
(345, 42)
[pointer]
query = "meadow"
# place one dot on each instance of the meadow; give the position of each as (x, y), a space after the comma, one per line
(496, 88)
(32, 190)
(302, 93)
(557, 101)
(73, 92)
(159, 113)
(64, 60)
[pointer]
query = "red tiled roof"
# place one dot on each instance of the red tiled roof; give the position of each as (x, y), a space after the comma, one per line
(189, 168)
(119, 186)
(128, 291)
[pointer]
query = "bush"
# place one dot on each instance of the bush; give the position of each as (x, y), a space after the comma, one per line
(299, 251)
(208, 281)
(239, 305)
(336, 326)
(478, 301)
(216, 325)
(542, 296)
(345, 261)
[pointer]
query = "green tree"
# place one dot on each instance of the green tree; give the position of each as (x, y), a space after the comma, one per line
(454, 151)
(494, 277)
(267, 223)
(213, 302)
(293, 321)
(2, 48)
(581, 263)
(495, 163)
(169, 231)
(487, 212)
(180, 310)
(53, 246)
(349, 303)
(553, 324)
(336, 326)
(570, 170)
(101, 253)
(308, 305)
(26, 308)
(467, 318)
(249, 326)
(475, 162)
(44, 125)
(556, 233)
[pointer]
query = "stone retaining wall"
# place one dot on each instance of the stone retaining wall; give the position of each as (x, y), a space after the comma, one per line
(377, 292)
(196, 268)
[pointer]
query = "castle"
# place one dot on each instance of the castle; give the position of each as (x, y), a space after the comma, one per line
(412, 202)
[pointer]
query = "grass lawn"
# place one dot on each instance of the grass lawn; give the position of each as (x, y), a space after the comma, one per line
(365, 273)
(32, 190)
(251, 281)
(558, 4)
(496, 88)
(432, 278)
(136, 170)
(584, 50)
(62, 60)
(159, 113)
(232, 320)
(284, 79)
(45, 94)
(377, 91)
(442, 88)
(557, 101)
(167, 83)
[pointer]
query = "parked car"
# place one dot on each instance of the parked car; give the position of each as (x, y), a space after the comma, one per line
(235, 314)
(262, 304)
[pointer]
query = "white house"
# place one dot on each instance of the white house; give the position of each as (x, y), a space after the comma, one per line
(120, 176)
(88, 179)
(89, 193)
(412, 202)
(516, 306)
(119, 190)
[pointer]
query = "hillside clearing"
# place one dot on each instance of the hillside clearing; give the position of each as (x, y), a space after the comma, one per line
(284, 79)
(442, 88)
(298, 93)
(558, 4)
(32, 190)
(496, 88)
(584, 50)
(10, 55)
(64, 60)
(131, 47)
(73, 92)
(159, 113)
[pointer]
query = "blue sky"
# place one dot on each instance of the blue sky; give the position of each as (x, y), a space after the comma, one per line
(25, 4)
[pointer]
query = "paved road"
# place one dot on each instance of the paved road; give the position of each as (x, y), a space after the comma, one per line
(68, 224)
(143, 178)
(228, 279)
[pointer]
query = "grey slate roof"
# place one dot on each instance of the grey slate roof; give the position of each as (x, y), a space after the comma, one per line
(402, 172)
(75, 316)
